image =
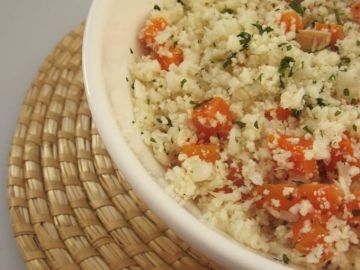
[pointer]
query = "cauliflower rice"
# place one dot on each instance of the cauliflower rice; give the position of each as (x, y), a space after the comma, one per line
(255, 118)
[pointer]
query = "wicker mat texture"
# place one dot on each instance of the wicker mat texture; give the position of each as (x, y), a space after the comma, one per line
(70, 207)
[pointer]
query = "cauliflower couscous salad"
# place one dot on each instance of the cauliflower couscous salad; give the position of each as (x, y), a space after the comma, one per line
(252, 108)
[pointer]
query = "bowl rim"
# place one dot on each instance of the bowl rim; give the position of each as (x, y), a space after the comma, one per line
(211, 243)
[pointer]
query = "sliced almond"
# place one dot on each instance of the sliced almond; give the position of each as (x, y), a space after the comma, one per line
(313, 40)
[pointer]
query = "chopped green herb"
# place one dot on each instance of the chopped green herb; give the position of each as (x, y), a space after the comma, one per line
(338, 16)
(245, 39)
(321, 102)
(356, 212)
(354, 101)
(182, 83)
(256, 125)
(228, 10)
(308, 130)
(344, 63)
(127, 79)
(156, 7)
(358, 43)
(346, 92)
(287, 63)
(228, 61)
(296, 6)
(295, 113)
(355, 128)
(298, 183)
(159, 120)
(131, 51)
(169, 122)
(133, 86)
(152, 140)
(333, 77)
(285, 45)
(260, 77)
(261, 29)
(240, 124)
(285, 259)
(180, 2)
(197, 105)
(337, 113)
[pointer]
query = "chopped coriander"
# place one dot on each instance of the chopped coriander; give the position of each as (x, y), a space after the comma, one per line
(346, 92)
(321, 102)
(133, 86)
(338, 16)
(298, 183)
(152, 140)
(285, 259)
(355, 212)
(355, 128)
(261, 29)
(337, 113)
(156, 7)
(354, 101)
(159, 120)
(180, 2)
(285, 45)
(228, 10)
(358, 43)
(131, 51)
(228, 61)
(182, 83)
(127, 79)
(308, 130)
(259, 78)
(197, 105)
(333, 77)
(344, 63)
(245, 39)
(169, 122)
(295, 113)
(287, 63)
(296, 6)
(256, 125)
(240, 124)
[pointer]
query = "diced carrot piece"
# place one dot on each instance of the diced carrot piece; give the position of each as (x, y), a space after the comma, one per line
(353, 209)
(165, 61)
(149, 33)
(213, 118)
(355, 10)
(309, 232)
(280, 197)
(281, 113)
(206, 152)
(336, 30)
(340, 154)
(323, 197)
(297, 147)
(290, 18)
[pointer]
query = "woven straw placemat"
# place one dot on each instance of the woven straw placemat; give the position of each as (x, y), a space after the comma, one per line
(70, 207)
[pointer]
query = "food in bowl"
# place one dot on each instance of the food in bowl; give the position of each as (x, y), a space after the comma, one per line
(252, 107)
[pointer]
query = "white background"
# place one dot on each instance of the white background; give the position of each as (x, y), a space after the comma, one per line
(29, 29)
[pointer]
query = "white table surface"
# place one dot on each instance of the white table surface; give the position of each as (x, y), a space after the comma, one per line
(29, 29)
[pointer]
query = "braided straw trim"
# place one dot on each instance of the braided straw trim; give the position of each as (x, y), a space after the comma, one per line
(70, 207)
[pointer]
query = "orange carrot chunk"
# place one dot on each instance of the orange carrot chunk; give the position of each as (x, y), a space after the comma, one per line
(290, 18)
(336, 30)
(344, 152)
(309, 232)
(355, 10)
(212, 118)
(280, 197)
(149, 33)
(297, 147)
(206, 152)
(323, 197)
(280, 113)
(175, 57)
(353, 209)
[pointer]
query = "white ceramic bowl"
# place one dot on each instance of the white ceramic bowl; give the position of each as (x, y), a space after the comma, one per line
(111, 30)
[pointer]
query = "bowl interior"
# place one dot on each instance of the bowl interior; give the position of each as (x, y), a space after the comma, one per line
(110, 38)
